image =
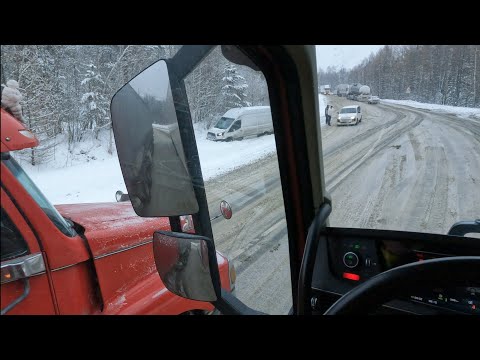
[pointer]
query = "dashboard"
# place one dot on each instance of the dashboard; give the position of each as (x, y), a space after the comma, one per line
(349, 257)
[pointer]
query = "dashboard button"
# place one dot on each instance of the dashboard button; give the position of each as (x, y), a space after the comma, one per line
(350, 259)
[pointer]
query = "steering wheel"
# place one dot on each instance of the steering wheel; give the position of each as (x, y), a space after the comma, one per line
(407, 279)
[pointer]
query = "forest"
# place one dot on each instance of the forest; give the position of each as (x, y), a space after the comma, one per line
(437, 74)
(67, 88)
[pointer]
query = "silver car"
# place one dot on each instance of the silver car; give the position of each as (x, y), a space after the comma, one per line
(349, 115)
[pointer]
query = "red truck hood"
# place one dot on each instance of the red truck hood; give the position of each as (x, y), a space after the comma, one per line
(111, 227)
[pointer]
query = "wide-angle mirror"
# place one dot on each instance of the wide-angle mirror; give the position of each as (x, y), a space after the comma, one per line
(149, 146)
(184, 263)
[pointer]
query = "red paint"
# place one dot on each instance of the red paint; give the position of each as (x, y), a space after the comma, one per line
(110, 227)
(39, 302)
(75, 291)
(11, 137)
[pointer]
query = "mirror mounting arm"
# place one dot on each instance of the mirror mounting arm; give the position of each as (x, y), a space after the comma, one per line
(201, 220)
(228, 304)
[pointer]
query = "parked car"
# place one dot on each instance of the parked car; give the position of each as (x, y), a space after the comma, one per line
(349, 115)
(373, 100)
(238, 123)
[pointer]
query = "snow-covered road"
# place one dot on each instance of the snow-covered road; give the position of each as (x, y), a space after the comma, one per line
(401, 168)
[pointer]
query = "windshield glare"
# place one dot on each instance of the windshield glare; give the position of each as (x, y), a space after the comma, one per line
(224, 123)
(348, 111)
(39, 198)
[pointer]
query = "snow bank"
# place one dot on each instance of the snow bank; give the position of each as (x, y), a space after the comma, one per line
(219, 158)
(85, 173)
(455, 110)
(89, 174)
(95, 181)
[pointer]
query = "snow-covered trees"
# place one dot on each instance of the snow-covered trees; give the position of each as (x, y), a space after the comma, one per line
(67, 88)
(94, 113)
(208, 87)
(234, 88)
(441, 74)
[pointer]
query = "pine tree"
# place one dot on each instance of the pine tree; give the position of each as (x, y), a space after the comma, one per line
(94, 112)
(234, 90)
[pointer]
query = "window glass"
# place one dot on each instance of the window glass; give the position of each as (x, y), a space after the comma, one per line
(12, 243)
(39, 198)
(413, 162)
(245, 173)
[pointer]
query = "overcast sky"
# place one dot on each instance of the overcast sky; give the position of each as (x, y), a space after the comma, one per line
(346, 55)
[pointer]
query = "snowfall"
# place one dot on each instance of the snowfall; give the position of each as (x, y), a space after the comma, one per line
(88, 173)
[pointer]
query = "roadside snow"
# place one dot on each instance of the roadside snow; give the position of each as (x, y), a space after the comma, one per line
(95, 181)
(218, 158)
(455, 110)
(86, 173)
(89, 174)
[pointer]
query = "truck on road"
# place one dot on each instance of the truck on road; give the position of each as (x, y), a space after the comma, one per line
(358, 92)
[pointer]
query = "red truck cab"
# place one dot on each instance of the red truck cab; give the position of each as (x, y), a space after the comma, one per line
(78, 258)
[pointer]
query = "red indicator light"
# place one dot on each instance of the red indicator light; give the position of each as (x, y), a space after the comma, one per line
(473, 307)
(351, 276)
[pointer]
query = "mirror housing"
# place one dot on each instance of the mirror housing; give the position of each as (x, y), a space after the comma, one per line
(149, 145)
(187, 265)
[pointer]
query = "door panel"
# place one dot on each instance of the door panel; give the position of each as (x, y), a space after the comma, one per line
(38, 302)
(39, 299)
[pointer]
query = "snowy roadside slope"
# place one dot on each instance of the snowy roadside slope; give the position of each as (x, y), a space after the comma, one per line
(455, 110)
(90, 174)
(87, 173)
(217, 158)
(93, 181)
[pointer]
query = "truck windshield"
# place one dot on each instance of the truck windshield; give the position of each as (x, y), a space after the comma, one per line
(224, 123)
(39, 198)
(348, 111)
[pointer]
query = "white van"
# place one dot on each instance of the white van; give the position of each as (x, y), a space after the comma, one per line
(238, 123)
(349, 115)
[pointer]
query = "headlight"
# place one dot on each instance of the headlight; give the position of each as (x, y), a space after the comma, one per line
(220, 134)
(352, 117)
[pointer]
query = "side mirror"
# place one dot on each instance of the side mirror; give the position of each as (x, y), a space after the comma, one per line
(187, 265)
(149, 145)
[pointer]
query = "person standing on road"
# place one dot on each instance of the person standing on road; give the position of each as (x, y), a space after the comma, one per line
(327, 115)
(330, 113)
